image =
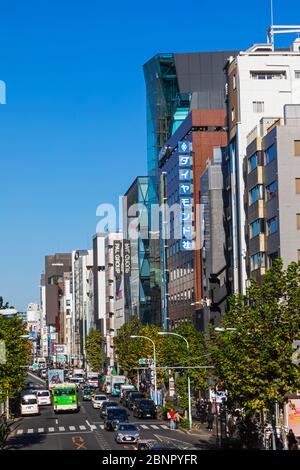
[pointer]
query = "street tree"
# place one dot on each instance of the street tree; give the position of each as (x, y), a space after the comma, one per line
(253, 359)
(17, 356)
(94, 350)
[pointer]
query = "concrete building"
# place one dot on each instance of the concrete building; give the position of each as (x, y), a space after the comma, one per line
(272, 192)
(108, 295)
(82, 265)
(260, 82)
(216, 258)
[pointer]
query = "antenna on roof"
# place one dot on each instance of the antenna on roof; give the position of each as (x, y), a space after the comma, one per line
(272, 13)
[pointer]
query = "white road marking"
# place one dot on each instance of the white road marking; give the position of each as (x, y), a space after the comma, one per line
(164, 426)
(154, 426)
(20, 431)
(93, 427)
(72, 428)
(41, 430)
(101, 426)
(144, 426)
(56, 421)
(51, 429)
(29, 431)
(83, 428)
(61, 428)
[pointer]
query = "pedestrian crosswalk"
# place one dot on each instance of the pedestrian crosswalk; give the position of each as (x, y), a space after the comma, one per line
(80, 428)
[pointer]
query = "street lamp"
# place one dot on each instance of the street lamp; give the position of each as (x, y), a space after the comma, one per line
(154, 363)
(164, 333)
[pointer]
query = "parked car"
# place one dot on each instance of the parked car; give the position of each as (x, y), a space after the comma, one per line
(108, 404)
(144, 408)
(98, 400)
(43, 397)
(29, 405)
(44, 373)
(114, 417)
(127, 432)
(133, 396)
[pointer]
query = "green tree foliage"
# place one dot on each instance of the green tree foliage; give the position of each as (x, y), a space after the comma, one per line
(254, 362)
(94, 350)
(170, 351)
(18, 351)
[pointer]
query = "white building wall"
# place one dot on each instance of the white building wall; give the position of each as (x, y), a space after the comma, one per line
(275, 94)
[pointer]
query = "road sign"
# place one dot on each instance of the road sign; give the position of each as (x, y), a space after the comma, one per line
(35, 366)
(145, 362)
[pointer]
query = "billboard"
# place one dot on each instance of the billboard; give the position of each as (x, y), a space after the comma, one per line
(55, 377)
(127, 257)
(117, 259)
(292, 413)
(60, 349)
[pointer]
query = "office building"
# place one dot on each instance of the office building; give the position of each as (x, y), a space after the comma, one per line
(272, 192)
(260, 82)
(135, 229)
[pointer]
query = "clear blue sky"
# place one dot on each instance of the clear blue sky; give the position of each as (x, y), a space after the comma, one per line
(73, 131)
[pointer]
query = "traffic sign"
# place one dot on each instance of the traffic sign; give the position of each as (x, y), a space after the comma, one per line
(145, 362)
(35, 366)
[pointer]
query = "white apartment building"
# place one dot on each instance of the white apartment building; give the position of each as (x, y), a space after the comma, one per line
(260, 81)
(108, 289)
(82, 266)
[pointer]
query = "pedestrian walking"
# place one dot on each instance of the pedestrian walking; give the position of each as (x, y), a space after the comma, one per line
(171, 417)
(177, 419)
(292, 440)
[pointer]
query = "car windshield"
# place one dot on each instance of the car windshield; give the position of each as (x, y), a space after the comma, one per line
(127, 427)
(111, 403)
(43, 394)
(117, 414)
(147, 403)
(100, 397)
(29, 401)
(137, 396)
(65, 391)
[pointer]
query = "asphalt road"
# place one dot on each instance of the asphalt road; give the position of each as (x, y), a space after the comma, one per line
(84, 431)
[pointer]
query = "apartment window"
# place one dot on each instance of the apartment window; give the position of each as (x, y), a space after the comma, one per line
(258, 106)
(257, 261)
(271, 259)
(256, 228)
(272, 225)
(252, 162)
(297, 74)
(298, 221)
(271, 190)
(232, 114)
(297, 180)
(68, 303)
(270, 154)
(297, 148)
(268, 75)
(255, 194)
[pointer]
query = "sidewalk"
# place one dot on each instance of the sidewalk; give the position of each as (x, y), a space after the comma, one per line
(206, 438)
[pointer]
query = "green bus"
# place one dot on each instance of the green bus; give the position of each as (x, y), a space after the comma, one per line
(65, 398)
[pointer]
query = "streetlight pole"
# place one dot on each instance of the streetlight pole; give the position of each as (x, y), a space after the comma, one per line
(154, 363)
(164, 333)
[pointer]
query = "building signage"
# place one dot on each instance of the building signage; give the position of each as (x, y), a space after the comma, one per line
(127, 257)
(117, 258)
(184, 147)
(60, 348)
(185, 193)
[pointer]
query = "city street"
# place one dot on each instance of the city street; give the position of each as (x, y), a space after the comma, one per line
(85, 431)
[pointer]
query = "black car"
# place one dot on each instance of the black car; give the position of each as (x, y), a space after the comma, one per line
(114, 417)
(144, 408)
(108, 404)
(87, 393)
(133, 396)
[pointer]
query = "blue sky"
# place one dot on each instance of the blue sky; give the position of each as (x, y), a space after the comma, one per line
(73, 131)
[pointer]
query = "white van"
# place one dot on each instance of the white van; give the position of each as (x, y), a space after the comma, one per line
(43, 397)
(29, 405)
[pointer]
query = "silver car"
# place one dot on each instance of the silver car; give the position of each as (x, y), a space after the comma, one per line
(127, 432)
